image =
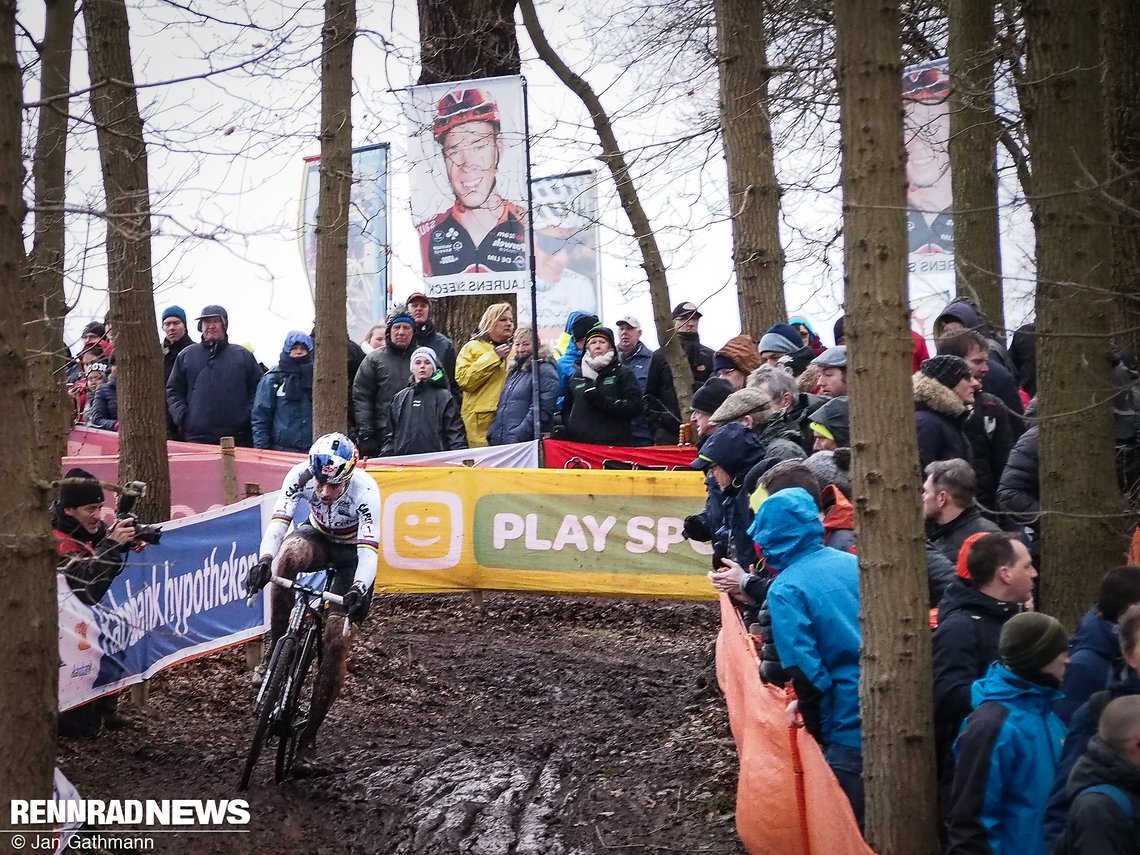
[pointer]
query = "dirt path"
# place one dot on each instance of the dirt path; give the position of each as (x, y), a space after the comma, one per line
(541, 726)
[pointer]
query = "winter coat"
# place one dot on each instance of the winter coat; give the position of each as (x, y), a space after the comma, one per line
(601, 410)
(965, 311)
(169, 354)
(428, 336)
(1019, 490)
(1006, 757)
(425, 419)
(838, 520)
(1097, 824)
(567, 364)
(1001, 383)
(104, 409)
(481, 375)
(814, 603)
(282, 416)
(514, 419)
(663, 411)
(211, 390)
(89, 562)
(939, 574)
(1023, 354)
(991, 433)
(1082, 728)
(965, 644)
(949, 537)
(637, 361)
(372, 391)
(1094, 661)
(940, 416)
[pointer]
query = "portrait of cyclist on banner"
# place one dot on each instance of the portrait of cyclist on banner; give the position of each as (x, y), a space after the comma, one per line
(561, 237)
(341, 533)
(481, 232)
(930, 216)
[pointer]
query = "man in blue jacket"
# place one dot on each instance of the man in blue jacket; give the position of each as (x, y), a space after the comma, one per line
(814, 603)
(211, 388)
(1009, 748)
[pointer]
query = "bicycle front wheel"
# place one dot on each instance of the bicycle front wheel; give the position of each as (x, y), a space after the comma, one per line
(293, 717)
(280, 663)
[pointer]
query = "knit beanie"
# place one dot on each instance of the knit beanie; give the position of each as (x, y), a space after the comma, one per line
(94, 328)
(78, 495)
(711, 395)
(776, 343)
(1030, 641)
(400, 315)
(427, 353)
(740, 353)
(947, 369)
(597, 331)
(174, 312)
(582, 326)
(829, 468)
(741, 403)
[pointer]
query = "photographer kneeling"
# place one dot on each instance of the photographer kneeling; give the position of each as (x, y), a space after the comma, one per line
(91, 555)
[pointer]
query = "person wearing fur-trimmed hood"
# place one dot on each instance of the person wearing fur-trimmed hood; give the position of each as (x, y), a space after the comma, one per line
(514, 420)
(943, 393)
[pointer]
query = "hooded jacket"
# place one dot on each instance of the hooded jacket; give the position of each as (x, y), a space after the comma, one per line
(481, 374)
(663, 411)
(514, 419)
(1007, 755)
(814, 342)
(1094, 660)
(838, 520)
(1096, 824)
(282, 417)
(601, 410)
(940, 417)
(425, 419)
(991, 433)
(104, 409)
(1001, 379)
(814, 603)
(1019, 490)
(210, 392)
(965, 644)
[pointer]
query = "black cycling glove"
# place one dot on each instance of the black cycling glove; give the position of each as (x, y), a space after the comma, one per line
(355, 602)
(259, 575)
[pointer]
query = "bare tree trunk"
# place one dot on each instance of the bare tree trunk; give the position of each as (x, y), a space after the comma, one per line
(973, 152)
(896, 703)
(614, 159)
(753, 190)
(46, 307)
(330, 384)
(1082, 527)
(30, 665)
(1120, 36)
(460, 40)
(123, 157)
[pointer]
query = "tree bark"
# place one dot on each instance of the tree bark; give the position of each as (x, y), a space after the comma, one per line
(896, 703)
(28, 625)
(614, 159)
(1082, 526)
(123, 157)
(974, 131)
(46, 306)
(753, 189)
(330, 383)
(1120, 36)
(462, 40)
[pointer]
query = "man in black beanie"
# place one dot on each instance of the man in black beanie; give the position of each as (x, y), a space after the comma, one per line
(943, 394)
(91, 555)
(1008, 750)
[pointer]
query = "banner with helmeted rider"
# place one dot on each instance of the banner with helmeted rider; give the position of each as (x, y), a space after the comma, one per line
(467, 162)
(368, 244)
(564, 216)
(173, 601)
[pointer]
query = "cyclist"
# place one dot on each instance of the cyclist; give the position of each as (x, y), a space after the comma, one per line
(341, 532)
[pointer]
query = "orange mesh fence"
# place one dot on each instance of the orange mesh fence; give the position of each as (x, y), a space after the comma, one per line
(787, 800)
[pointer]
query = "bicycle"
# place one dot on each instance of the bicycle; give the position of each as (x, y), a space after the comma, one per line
(282, 704)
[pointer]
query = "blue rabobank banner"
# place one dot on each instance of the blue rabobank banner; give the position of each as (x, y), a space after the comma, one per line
(179, 599)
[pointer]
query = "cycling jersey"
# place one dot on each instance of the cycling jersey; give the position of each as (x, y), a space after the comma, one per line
(351, 520)
(447, 248)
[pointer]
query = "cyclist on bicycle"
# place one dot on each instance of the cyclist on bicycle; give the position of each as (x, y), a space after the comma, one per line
(341, 532)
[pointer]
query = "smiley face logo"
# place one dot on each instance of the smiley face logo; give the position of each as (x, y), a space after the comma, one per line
(422, 530)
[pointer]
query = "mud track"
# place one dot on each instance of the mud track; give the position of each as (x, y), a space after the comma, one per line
(539, 726)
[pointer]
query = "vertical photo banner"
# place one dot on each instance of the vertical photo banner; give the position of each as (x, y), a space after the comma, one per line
(930, 216)
(564, 214)
(467, 162)
(368, 242)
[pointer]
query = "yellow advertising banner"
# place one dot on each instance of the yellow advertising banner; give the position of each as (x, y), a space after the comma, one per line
(553, 531)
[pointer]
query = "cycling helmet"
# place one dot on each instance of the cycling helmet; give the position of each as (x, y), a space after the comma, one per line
(332, 458)
(461, 106)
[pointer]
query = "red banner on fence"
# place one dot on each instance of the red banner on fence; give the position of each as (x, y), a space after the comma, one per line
(579, 455)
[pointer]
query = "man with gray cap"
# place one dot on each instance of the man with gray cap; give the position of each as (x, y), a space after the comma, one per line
(662, 407)
(1008, 749)
(211, 388)
(832, 371)
(634, 355)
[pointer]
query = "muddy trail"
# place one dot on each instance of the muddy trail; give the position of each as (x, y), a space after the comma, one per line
(537, 725)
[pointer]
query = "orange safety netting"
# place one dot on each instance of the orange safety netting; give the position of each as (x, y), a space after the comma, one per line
(787, 800)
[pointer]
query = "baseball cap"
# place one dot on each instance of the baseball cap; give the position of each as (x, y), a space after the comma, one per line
(683, 310)
(417, 295)
(629, 321)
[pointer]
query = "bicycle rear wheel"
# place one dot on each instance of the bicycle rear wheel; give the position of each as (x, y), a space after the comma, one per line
(280, 664)
(293, 717)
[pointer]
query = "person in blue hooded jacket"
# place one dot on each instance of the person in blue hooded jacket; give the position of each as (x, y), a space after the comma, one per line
(282, 415)
(1009, 747)
(814, 603)
(577, 326)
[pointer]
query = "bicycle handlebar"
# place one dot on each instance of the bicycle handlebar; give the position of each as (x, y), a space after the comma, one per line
(282, 582)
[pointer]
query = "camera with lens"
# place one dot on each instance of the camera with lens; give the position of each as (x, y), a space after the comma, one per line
(131, 493)
(722, 548)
